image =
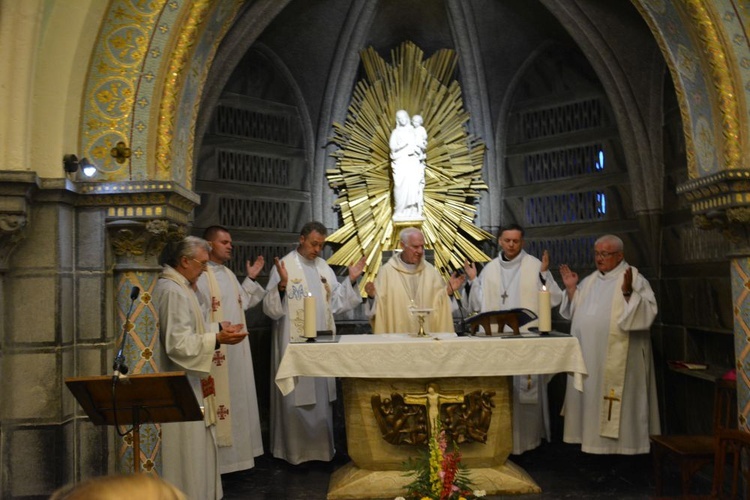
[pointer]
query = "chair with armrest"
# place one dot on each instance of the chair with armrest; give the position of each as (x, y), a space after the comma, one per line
(733, 457)
(693, 452)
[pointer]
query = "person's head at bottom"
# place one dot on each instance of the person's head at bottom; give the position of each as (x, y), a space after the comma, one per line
(141, 486)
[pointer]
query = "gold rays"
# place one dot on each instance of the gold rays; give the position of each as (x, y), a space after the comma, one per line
(362, 176)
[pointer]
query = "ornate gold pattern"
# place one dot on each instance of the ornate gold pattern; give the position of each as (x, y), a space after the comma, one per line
(721, 76)
(674, 69)
(363, 174)
(174, 82)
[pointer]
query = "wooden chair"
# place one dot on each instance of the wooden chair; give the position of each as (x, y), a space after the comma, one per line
(693, 452)
(733, 456)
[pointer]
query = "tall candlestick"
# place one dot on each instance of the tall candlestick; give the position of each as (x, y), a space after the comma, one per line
(311, 330)
(545, 311)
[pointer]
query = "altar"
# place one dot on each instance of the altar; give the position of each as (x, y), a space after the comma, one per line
(373, 367)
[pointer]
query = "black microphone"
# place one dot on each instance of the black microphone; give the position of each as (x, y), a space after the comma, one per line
(119, 366)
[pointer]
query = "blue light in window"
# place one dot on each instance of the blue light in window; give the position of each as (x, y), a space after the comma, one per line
(600, 164)
(601, 203)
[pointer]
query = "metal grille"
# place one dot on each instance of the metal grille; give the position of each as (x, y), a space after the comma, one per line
(256, 214)
(560, 119)
(565, 208)
(252, 168)
(576, 252)
(699, 245)
(551, 165)
(253, 125)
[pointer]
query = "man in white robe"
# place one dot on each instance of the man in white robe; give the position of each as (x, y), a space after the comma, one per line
(189, 451)
(220, 293)
(408, 282)
(302, 421)
(512, 280)
(611, 311)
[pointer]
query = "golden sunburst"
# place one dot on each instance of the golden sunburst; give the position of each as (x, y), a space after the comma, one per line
(362, 176)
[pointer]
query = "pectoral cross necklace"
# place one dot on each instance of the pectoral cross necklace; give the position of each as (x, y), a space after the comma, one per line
(511, 273)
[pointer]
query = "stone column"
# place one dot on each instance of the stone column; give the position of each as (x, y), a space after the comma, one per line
(141, 217)
(136, 246)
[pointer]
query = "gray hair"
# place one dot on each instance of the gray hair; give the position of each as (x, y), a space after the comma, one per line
(186, 247)
(611, 238)
(406, 233)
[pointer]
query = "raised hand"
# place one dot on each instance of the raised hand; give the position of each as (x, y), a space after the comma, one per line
(545, 262)
(252, 271)
(455, 282)
(470, 268)
(627, 281)
(570, 279)
(355, 270)
(281, 269)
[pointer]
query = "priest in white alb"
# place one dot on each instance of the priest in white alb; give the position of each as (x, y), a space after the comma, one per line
(612, 310)
(513, 280)
(225, 299)
(302, 421)
(408, 282)
(189, 449)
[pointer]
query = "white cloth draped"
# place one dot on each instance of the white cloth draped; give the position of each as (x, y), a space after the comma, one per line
(518, 279)
(189, 451)
(302, 422)
(247, 440)
(591, 314)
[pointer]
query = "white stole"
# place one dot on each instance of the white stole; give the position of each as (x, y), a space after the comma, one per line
(615, 364)
(207, 382)
(220, 366)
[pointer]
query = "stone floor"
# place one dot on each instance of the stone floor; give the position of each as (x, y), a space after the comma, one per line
(561, 470)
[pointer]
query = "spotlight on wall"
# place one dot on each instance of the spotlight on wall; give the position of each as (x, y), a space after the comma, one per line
(70, 163)
(88, 168)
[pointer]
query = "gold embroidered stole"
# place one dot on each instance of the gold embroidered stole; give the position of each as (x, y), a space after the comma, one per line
(220, 364)
(296, 290)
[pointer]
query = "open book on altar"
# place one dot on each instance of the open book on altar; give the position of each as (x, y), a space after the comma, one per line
(513, 318)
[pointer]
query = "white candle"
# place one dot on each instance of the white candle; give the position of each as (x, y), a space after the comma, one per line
(545, 311)
(311, 330)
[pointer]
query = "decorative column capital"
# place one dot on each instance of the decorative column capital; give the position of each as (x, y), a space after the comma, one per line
(16, 189)
(136, 244)
(142, 216)
(721, 202)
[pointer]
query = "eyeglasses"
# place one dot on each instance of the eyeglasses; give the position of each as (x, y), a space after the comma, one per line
(204, 265)
(604, 255)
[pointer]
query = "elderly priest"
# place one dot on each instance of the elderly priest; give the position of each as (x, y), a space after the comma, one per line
(407, 282)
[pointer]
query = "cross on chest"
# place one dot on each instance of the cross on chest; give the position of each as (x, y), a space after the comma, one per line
(504, 296)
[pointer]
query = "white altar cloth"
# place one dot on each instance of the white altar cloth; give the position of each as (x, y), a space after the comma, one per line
(440, 355)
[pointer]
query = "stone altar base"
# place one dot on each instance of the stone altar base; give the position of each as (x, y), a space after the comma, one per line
(377, 467)
(350, 482)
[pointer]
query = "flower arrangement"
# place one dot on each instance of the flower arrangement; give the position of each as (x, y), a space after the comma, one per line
(439, 474)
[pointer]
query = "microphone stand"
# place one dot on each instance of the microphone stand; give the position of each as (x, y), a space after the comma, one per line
(119, 366)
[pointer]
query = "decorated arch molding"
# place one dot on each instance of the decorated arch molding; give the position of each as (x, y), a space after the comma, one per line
(143, 90)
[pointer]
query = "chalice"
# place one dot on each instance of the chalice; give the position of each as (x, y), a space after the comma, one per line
(421, 313)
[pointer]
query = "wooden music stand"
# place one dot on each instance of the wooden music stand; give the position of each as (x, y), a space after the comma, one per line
(152, 397)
